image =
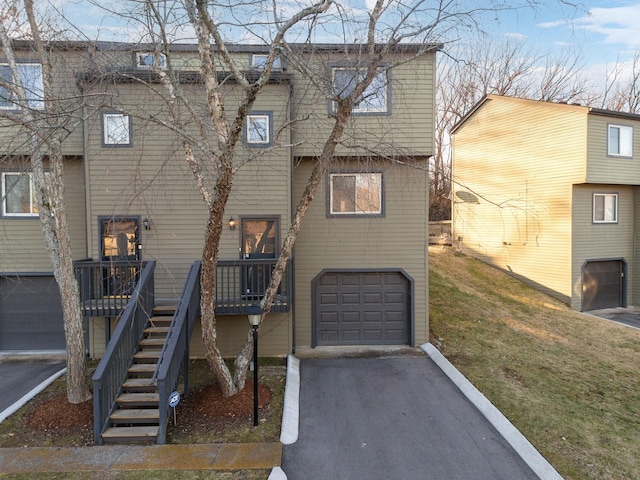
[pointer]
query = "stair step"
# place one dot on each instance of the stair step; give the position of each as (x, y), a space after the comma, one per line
(147, 355)
(142, 369)
(164, 310)
(138, 399)
(156, 330)
(135, 415)
(138, 434)
(139, 385)
(152, 342)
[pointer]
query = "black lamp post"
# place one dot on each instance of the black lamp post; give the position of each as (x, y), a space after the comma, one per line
(255, 314)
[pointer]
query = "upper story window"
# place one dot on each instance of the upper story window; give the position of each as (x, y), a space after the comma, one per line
(150, 60)
(355, 194)
(375, 100)
(258, 131)
(31, 76)
(605, 208)
(116, 129)
(620, 141)
(18, 195)
(259, 60)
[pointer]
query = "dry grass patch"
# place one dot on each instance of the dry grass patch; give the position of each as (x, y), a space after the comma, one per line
(568, 381)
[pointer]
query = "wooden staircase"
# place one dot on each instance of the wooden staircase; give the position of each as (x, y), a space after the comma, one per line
(135, 418)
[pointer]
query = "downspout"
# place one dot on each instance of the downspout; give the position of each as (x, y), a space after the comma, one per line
(87, 201)
(291, 210)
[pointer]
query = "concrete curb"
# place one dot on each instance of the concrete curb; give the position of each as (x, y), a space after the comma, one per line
(291, 407)
(30, 394)
(277, 474)
(518, 442)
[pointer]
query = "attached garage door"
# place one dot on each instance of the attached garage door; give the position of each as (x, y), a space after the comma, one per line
(603, 284)
(30, 314)
(362, 308)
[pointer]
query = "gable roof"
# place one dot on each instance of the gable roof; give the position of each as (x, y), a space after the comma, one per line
(589, 110)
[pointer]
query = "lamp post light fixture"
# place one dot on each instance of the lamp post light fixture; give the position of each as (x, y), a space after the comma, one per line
(255, 314)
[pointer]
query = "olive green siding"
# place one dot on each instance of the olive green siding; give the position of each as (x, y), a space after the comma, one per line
(407, 130)
(152, 180)
(524, 175)
(634, 267)
(275, 335)
(22, 247)
(67, 98)
(396, 241)
(602, 168)
(597, 241)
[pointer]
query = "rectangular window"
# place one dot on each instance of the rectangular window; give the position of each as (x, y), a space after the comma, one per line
(620, 141)
(18, 195)
(375, 98)
(355, 194)
(259, 60)
(148, 60)
(605, 208)
(258, 131)
(31, 76)
(116, 129)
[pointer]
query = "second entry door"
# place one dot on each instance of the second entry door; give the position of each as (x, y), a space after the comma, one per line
(259, 242)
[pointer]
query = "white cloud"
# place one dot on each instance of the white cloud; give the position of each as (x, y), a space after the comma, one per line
(516, 36)
(618, 25)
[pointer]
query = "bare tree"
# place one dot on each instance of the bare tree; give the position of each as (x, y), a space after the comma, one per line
(621, 91)
(491, 67)
(46, 129)
(371, 40)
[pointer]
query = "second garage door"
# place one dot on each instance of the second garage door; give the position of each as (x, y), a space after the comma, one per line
(603, 284)
(362, 308)
(30, 314)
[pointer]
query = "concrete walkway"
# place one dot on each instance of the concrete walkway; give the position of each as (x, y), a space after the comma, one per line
(245, 456)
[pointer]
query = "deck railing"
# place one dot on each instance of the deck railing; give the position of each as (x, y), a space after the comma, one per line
(106, 286)
(242, 283)
(174, 356)
(113, 367)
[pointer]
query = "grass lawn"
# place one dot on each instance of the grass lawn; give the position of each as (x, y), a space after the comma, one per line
(568, 381)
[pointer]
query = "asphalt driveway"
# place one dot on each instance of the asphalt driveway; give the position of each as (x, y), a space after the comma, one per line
(19, 378)
(392, 418)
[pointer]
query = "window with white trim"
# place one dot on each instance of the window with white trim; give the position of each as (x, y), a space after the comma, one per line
(620, 141)
(605, 208)
(258, 131)
(355, 194)
(148, 60)
(116, 129)
(374, 99)
(18, 194)
(259, 60)
(31, 76)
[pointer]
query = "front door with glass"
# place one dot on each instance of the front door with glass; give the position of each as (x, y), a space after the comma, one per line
(259, 242)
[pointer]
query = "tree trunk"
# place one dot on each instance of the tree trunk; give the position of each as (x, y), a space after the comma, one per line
(208, 280)
(319, 169)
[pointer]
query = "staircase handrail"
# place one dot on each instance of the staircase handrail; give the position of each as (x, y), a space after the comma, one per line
(118, 356)
(175, 351)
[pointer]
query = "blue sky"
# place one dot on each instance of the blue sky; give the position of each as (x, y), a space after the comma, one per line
(603, 32)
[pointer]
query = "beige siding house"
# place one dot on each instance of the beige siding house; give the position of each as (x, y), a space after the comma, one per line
(359, 274)
(549, 193)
